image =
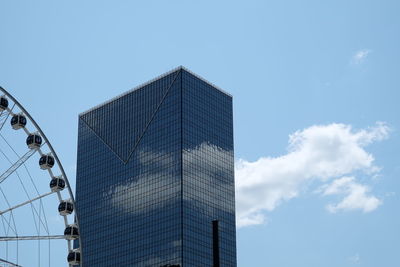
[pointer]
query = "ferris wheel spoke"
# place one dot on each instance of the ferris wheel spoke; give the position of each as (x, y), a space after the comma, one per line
(9, 225)
(4, 116)
(9, 263)
(17, 164)
(32, 238)
(11, 218)
(4, 225)
(40, 222)
(26, 202)
(34, 211)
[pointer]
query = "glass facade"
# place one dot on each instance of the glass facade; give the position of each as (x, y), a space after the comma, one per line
(155, 170)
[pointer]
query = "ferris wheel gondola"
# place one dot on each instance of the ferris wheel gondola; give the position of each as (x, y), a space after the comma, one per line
(18, 121)
(57, 184)
(74, 257)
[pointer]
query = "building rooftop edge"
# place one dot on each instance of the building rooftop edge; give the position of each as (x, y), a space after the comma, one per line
(149, 82)
(206, 81)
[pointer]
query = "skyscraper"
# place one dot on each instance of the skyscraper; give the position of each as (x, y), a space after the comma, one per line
(155, 176)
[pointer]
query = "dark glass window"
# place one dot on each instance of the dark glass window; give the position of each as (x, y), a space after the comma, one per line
(14, 120)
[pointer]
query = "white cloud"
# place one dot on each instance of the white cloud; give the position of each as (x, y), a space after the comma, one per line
(356, 196)
(360, 56)
(355, 258)
(318, 153)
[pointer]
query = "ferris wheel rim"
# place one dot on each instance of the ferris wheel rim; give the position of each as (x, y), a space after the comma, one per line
(60, 166)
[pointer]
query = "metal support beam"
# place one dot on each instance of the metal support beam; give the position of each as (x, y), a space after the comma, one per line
(17, 164)
(9, 263)
(3, 118)
(26, 202)
(18, 238)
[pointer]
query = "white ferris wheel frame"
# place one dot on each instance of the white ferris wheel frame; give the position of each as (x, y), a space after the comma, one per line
(21, 161)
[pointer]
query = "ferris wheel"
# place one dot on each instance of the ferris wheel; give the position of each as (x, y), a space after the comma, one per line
(37, 209)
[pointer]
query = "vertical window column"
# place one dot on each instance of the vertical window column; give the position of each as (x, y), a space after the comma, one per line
(215, 243)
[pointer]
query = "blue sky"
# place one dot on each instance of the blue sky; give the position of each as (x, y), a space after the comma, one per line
(324, 72)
